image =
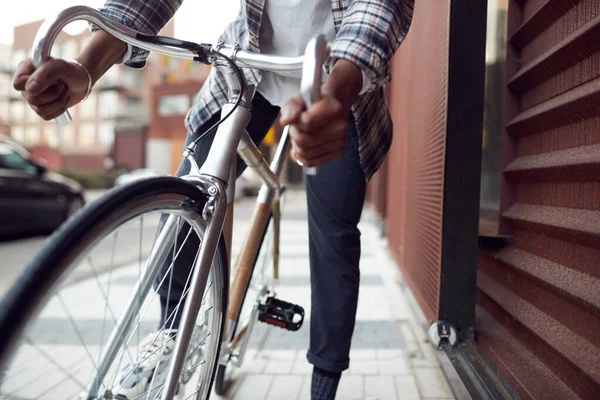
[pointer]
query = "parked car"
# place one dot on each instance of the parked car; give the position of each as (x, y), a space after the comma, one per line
(33, 200)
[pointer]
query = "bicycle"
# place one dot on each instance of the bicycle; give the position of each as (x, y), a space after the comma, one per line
(216, 318)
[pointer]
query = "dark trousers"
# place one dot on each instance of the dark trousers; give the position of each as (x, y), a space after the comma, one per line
(335, 199)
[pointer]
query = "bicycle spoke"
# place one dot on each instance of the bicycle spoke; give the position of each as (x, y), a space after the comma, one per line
(194, 366)
(173, 258)
(105, 296)
(57, 365)
(112, 259)
(77, 331)
(139, 274)
(193, 394)
(159, 332)
(148, 392)
(197, 347)
(125, 346)
(141, 361)
(154, 296)
(103, 364)
(162, 328)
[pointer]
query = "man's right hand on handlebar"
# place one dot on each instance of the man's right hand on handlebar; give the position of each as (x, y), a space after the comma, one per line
(54, 87)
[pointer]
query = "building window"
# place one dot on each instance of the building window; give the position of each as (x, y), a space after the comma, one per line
(32, 136)
(87, 109)
(18, 134)
(132, 78)
(110, 78)
(51, 136)
(106, 134)
(173, 63)
(16, 57)
(17, 111)
(173, 105)
(67, 136)
(30, 115)
(87, 134)
(69, 49)
(108, 104)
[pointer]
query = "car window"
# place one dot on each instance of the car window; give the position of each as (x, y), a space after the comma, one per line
(11, 160)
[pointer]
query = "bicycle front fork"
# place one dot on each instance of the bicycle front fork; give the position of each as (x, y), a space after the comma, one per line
(214, 213)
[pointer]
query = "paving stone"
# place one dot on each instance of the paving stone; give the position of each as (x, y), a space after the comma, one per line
(363, 367)
(406, 388)
(279, 367)
(432, 383)
(277, 355)
(284, 387)
(302, 366)
(351, 387)
(362, 354)
(254, 387)
(396, 366)
(380, 387)
(306, 386)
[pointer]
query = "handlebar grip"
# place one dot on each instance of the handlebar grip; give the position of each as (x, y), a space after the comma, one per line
(312, 72)
(63, 119)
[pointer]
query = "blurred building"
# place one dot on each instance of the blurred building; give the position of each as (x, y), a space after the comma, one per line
(110, 128)
(5, 84)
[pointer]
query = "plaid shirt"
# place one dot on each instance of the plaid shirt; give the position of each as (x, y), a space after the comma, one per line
(368, 34)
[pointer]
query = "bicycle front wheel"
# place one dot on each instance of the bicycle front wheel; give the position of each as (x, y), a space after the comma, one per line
(95, 315)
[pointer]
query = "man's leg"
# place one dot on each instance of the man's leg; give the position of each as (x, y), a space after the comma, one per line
(335, 200)
(173, 285)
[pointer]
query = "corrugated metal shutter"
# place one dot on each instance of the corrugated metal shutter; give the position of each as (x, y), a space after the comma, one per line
(538, 312)
(418, 100)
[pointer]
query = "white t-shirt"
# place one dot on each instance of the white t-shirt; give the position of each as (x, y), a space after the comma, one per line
(286, 28)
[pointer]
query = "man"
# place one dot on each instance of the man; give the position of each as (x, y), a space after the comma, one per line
(347, 133)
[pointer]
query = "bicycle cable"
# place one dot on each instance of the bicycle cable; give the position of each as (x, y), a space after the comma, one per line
(236, 104)
(202, 52)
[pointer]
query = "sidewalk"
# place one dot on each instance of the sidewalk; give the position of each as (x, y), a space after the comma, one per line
(390, 358)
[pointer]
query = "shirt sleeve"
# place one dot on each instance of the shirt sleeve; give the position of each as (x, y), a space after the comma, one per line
(145, 16)
(370, 33)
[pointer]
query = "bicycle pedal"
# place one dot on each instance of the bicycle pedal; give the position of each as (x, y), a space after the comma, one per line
(280, 313)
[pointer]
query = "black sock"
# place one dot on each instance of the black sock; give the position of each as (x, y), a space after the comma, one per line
(324, 384)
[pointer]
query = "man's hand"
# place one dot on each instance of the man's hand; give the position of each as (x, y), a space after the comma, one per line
(57, 85)
(318, 134)
(52, 88)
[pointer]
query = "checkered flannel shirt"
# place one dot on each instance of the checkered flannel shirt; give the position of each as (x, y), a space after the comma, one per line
(368, 34)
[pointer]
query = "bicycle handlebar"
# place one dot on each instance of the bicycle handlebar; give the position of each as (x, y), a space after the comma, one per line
(51, 27)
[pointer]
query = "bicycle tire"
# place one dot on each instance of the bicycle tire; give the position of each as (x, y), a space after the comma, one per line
(27, 296)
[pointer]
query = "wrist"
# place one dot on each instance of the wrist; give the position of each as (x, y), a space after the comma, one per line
(101, 54)
(90, 81)
(345, 82)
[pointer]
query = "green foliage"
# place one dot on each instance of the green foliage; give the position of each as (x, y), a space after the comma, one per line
(92, 180)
